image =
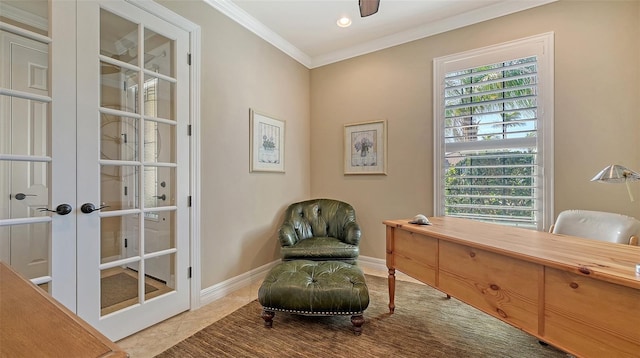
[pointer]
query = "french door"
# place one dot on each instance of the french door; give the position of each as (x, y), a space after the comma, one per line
(37, 179)
(132, 117)
(96, 164)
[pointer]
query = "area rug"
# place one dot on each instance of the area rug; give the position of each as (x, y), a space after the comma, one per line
(119, 288)
(425, 324)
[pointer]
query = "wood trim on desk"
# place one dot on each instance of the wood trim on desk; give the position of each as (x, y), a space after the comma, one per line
(541, 296)
(582, 256)
(36, 325)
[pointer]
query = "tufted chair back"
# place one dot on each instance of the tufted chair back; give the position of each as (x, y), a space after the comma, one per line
(320, 229)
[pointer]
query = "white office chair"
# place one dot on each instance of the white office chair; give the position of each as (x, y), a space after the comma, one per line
(598, 225)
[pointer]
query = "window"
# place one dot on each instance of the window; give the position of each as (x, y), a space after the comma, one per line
(493, 119)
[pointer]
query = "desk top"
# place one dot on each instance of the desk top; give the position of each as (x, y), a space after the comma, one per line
(33, 324)
(601, 260)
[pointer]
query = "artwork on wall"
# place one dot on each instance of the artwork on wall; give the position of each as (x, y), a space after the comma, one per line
(365, 148)
(266, 143)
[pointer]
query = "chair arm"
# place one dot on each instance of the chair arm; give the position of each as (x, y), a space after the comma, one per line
(352, 233)
(287, 235)
(633, 240)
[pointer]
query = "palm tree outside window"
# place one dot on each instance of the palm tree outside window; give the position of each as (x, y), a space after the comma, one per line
(492, 158)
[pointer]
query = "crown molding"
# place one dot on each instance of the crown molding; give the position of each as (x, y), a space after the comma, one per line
(23, 17)
(165, 14)
(240, 16)
(430, 29)
(503, 8)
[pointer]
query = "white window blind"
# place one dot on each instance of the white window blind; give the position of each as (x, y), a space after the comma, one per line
(489, 139)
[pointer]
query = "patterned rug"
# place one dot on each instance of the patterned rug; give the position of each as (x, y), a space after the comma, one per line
(425, 324)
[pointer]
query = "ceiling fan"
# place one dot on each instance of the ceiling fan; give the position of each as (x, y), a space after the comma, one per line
(368, 7)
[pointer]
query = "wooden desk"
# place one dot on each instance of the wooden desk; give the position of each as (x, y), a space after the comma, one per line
(33, 324)
(580, 295)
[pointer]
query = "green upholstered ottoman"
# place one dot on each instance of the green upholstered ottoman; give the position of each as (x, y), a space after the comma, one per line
(322, 288)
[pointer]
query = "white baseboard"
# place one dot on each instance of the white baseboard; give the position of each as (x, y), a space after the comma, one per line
(225, 288)
(372, 263)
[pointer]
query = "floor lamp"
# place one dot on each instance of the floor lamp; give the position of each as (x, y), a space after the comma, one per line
(617, 174)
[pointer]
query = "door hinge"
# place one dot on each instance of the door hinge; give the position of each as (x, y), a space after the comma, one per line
(189, 272)
(189, 201)
(189, 59)
(126, 244)
(189, 130)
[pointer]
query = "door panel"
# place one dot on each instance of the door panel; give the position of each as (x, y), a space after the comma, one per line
(134, 80)
(38, 174)
(120, 144)
(25, 175)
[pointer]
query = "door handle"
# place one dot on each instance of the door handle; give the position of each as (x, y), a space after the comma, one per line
(62, 209)
(22, 196)
(88, 208)
(162, 197)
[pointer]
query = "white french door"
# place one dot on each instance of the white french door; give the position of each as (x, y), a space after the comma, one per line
(37, 137)
(133, 169)
(94, 157)
(25, 181)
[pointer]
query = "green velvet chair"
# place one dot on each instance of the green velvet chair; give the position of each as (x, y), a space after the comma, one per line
(320, 230)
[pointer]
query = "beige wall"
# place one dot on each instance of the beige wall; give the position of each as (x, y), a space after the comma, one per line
(241, 210)
(597, 116)
(597, 122)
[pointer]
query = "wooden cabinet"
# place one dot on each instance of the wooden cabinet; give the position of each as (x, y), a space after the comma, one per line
(598, 317)
(580, 295)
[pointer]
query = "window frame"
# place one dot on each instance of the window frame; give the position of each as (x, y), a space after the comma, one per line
(541, 46)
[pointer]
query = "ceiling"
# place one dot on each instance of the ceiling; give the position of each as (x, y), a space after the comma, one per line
(307, 30)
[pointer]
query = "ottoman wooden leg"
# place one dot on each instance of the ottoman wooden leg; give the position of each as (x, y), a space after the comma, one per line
(268, 318)
(357, 321)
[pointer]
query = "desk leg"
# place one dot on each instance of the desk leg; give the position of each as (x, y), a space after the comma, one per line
(392, 289)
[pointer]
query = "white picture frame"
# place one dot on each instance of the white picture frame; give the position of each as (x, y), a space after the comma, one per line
(267, 138)
(365, 148)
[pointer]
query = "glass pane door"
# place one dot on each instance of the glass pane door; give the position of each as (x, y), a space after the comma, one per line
(137, 155)
(37, 174)
(25, 158)
(137, 266)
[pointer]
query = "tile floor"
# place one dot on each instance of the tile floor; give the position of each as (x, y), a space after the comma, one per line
(162, 336)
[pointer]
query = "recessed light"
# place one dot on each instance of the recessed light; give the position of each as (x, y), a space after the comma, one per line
(344, 22)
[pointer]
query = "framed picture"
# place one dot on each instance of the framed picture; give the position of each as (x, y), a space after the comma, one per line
(365, 148)
(266, 143)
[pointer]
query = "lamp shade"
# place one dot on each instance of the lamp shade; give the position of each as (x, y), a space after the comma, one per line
(616, 174)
